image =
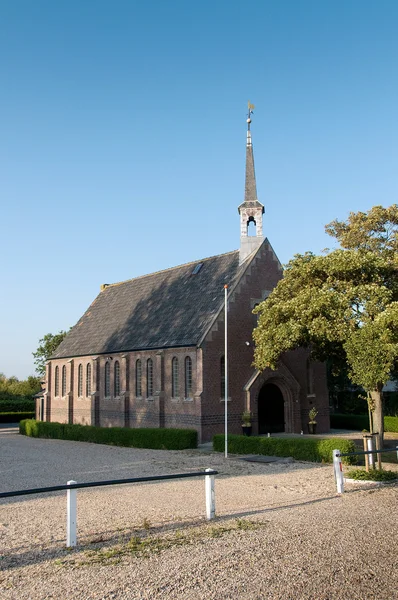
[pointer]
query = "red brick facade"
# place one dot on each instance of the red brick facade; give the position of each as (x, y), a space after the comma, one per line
(203, 409)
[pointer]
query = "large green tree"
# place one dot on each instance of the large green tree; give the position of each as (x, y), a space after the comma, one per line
(47, 346)
(342, 305)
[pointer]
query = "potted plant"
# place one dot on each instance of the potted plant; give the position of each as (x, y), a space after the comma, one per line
(246, 422)
(312, 422)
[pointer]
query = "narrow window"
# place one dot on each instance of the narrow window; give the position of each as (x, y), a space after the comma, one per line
(64, 380)
(222, 376)
(188, 377)
(80, 381)
(88, 380)
(138, 378)
(117, 378)
(107, 379)
(149, 377)
(251, 226)
(174, 378)
(56, 381)
(310, 378)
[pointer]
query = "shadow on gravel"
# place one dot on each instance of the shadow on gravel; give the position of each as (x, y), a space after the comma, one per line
(23, 556)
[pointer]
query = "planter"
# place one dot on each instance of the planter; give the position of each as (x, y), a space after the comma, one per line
(312, 428)
(246, 429)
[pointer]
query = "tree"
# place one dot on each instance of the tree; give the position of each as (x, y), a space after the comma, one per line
(342, 305)
(12, 388)
(47, 346)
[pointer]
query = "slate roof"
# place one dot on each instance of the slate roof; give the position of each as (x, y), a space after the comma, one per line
(164, 309)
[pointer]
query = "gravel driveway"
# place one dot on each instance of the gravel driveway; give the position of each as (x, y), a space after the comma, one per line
(281, 531)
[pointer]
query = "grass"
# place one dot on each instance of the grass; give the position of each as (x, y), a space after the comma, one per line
(146, 545)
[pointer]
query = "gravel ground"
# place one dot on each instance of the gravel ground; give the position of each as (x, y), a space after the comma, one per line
(281, 531)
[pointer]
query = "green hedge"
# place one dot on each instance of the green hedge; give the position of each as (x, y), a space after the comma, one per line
(391, 424)
(16, 405)
(372, 475)
(313, 450)
(15, 417)
(360, 422)
(168, 439)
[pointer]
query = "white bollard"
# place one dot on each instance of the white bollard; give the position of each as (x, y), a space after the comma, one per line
(71, 516)
(210, 496)
(338, 471)
(369, 442)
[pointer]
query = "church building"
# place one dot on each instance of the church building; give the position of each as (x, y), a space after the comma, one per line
(149, 352)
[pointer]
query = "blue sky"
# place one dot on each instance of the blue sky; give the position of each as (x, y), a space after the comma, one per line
(122, 143)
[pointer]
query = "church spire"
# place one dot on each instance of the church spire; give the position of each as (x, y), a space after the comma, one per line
(250, 183)
(251, 210)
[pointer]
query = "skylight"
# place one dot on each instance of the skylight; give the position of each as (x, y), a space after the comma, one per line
(197, 268)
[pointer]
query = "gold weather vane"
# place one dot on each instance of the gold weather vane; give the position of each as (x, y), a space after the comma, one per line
(250, 109)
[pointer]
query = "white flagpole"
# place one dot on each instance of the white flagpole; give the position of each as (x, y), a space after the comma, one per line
(226, 368)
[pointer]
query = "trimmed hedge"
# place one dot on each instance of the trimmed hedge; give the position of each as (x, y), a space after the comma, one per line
(17, 405)
(372, 475)
(313, 450)
(391, 424)
(360, 422)
(15, 417)
(165, 439)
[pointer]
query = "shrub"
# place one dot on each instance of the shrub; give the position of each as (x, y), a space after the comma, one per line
(10, 404)
(360, 422)
(391, 424)
(372, 475)
(168, 439)
(313, 450)
(355, 422)
(15, 417)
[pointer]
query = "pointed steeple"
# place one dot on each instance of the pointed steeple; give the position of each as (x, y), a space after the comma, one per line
(251, 210)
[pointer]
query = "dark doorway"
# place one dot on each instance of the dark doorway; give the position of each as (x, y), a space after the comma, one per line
(271, 413)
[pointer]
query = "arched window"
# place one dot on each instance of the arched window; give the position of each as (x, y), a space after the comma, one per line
(117, 378)
(174, 378)
(255, 316)
(80, 381)
(88, 380)
(222, 376)
(251, 226)
(188, 377)
(63, 391)
(138, 378)
(107, 379)
(56, 391)
(149, 377)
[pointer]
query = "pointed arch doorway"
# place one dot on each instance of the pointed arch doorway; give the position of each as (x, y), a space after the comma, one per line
(271, 409)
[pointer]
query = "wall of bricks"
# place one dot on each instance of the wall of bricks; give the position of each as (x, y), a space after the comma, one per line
(204, 408)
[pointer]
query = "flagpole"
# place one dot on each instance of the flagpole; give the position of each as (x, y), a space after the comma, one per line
(226, 368)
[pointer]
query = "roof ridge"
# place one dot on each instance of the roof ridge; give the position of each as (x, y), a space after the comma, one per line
(106, 285)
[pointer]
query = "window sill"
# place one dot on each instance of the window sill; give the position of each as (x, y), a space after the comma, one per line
(311, 395)
(190, 399)
(223, 399)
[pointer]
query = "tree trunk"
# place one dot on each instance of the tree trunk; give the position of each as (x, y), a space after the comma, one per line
(378, 413)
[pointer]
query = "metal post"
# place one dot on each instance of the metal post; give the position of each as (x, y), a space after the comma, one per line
(370, 449)
(365, 447)
(338, 471)
(71, 516)
(378, 447)
(226, 368)
(210, 496)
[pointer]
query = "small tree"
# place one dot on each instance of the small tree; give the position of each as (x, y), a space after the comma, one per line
(47, 346)
(342, 304)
